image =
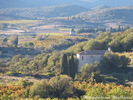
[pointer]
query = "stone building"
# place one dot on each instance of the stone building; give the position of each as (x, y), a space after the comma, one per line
(90, 57)
(72, 32)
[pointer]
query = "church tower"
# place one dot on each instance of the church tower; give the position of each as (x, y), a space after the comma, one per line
(72, 32)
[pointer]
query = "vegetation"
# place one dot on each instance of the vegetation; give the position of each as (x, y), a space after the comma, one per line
(64, 65)
(48, 66)
(111, 61)
(90, 72)
(14, 41)
(43, 12)
(18, 21)
(99, 29)
(66, 89)
(128, 55)
(66, 15)
(51, 43)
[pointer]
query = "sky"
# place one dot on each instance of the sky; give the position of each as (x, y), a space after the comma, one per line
(112, 2)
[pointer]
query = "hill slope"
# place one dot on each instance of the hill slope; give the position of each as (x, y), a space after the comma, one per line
(38, 3)
(108, 17)
(76, 15)
(41, 12)
(117, 15)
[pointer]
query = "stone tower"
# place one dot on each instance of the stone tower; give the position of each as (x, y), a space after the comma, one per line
(72, 32)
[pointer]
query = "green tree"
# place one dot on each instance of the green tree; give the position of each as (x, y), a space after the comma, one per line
(58, 86)
(64, 65)
(103, 35)
(124, 61)
(29, 44)
(92, 45)
(127, 42)
(116, 45)
(110, 61)
(72, 67)
(41, 89)
(61, 86)
(14, 40)
(5, 40)
(88, 70)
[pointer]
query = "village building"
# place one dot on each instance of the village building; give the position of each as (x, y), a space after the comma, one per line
(72, 32)
(89, 57)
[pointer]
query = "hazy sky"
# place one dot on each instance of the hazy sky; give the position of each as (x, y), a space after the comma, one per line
(111, 2)
(89, 0)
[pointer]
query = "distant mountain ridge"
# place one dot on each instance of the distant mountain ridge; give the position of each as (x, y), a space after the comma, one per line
(41, 12)
(100, 7)
(73, 14)
(84, 3)
(118, 15)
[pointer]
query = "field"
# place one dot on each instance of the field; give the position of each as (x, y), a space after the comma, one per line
(53, 40)
(51, 34)
(29, 27)
(19, 21)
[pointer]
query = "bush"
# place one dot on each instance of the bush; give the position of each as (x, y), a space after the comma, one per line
(93, 93)
(57, 86)
(89, 71)
(41, 89)
(118, 92)
(60, 85)
(6, 97)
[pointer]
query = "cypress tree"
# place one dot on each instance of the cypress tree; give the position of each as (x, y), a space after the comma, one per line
(64, 65)
(72, 67)
(14, 40)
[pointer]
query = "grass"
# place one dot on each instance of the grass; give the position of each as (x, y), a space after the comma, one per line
(52, 40)
(19, 21)
(50, 34)
(66, 29)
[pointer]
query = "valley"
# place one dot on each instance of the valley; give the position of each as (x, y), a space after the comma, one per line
(66, 50)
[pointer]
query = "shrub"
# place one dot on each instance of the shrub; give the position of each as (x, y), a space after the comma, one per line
(6, 97)
(57, 86)
(93, 93)
(119, 92)
(89, 71)
(60, 85)
(41, 89)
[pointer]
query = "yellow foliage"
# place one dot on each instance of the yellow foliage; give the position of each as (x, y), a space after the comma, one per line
(53, 40)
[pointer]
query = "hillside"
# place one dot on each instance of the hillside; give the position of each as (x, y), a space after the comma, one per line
(110, 16)
(41, 12)
(104, 17)
(38, 3)
(73, 15)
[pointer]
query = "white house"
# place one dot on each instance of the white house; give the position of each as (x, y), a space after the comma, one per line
(90, 57)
